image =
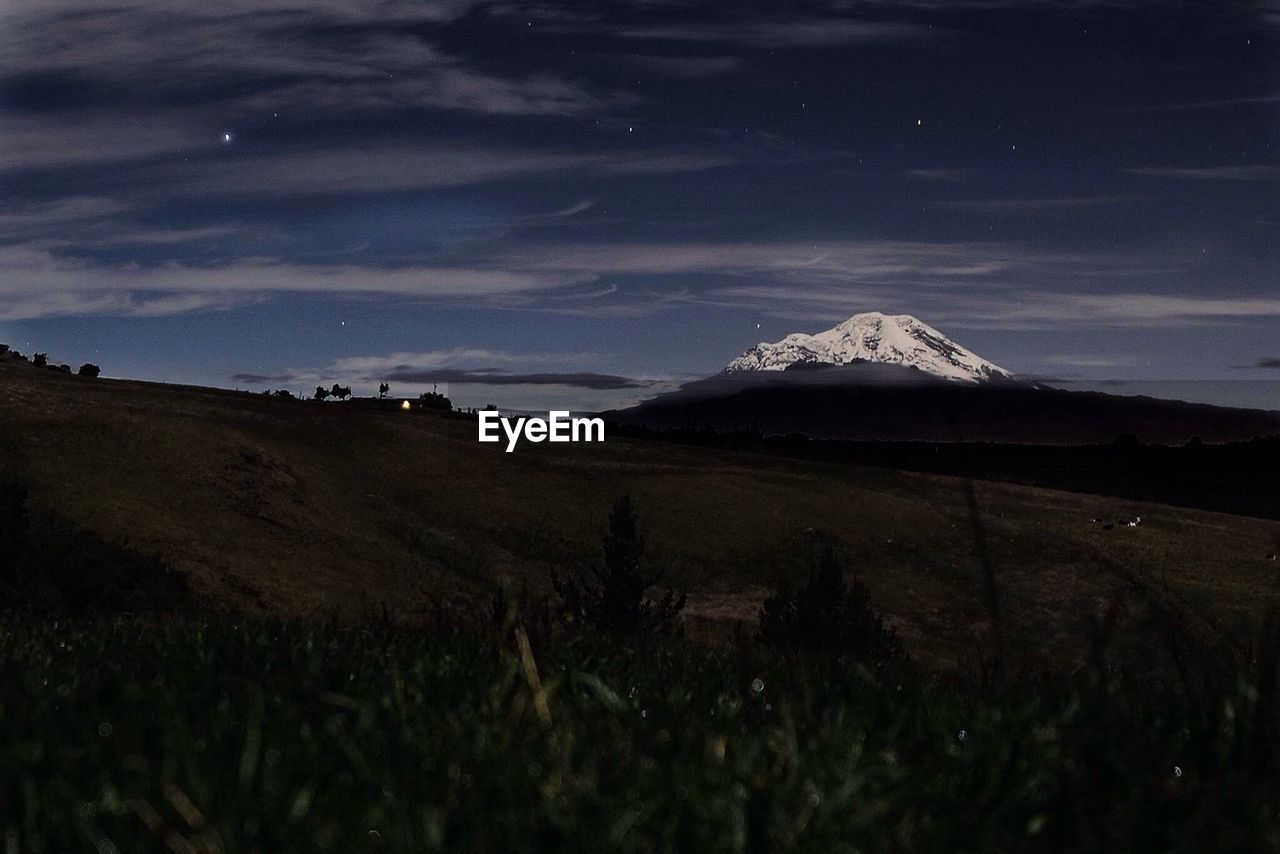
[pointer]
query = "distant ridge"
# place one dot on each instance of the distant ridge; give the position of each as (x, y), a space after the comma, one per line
(898, 339)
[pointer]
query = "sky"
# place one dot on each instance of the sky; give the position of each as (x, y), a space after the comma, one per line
(547, 204)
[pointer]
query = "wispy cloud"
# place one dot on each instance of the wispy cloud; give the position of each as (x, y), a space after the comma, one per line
(1022, 207)
(686, 66)
(1089, 361)
(804, 278)
(1001, 308)
(262, 379)
(1255, 172)
(578, 379)
(789, 32)
(1134, 308)
(278, 56)
(36, 283)
(468, 358)
(365, 169)
(937, 174)
(1212, 103)
(462, 365)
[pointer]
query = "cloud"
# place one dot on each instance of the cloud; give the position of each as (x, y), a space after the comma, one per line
(57, 213)
(937, 174)
(317, 55)
(475, 366)
(260, 379)
(790, 32)
(966, 283)
(574, 209)
(687, 66)
(1215, 103)
(380, 168)
(36, 283)
(994, 307)
(1022, 207)
(1267, 363)
(578, 379)
(1128, 309)
(1257, 172)
(99, 138)
(1077, 361)
(372, 367)
(847, 261)
(34, 305)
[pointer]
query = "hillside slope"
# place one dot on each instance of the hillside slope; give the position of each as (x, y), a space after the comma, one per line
(890, 402)
(294, 507)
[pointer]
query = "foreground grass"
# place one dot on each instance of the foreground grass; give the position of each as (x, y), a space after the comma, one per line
(119, 735)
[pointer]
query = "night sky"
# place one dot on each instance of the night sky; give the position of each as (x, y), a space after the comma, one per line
(555, 204)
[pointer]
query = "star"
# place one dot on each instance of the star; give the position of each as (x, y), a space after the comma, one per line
(227, 137)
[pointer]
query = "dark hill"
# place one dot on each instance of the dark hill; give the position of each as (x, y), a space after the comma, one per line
(882, 402)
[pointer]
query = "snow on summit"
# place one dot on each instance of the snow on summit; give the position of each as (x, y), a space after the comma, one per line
(898, 339)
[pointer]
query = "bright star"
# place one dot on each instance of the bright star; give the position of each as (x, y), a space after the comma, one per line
(226, 137)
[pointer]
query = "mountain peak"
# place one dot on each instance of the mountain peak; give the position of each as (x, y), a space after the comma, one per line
(873, 336)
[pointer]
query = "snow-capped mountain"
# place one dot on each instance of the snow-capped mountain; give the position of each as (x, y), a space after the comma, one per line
(898, 339)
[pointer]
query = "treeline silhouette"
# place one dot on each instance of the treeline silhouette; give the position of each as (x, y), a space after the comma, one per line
(41, 360)
(433, 399)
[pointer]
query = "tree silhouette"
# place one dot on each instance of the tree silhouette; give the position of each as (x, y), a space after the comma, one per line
(827, 616)
(321, 393)
(88, 369)
(382, 390)
(435, 400)
(40, 360)
(617, 603)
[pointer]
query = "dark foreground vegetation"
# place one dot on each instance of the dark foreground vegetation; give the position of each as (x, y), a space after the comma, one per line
(50, 565)
(127, 734)
(586, 723)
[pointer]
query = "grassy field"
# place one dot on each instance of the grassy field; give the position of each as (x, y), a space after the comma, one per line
(220, 736)
(277, 507)
(337, 687)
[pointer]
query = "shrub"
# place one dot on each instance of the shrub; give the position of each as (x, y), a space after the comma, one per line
(618, 605)
(40, 360)
(828, 616)
(88, 369)
(435, 400)
(47, 563)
